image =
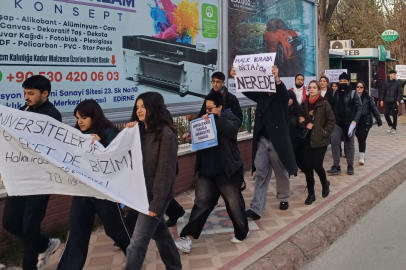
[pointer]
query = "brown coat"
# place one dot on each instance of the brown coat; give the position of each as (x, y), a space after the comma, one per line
(323, 124)
(159, 158)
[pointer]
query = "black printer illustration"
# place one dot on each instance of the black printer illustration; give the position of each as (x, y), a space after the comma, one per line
(169, 65)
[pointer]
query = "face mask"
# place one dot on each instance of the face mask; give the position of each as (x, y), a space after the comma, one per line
(343, 86)
(298, 85)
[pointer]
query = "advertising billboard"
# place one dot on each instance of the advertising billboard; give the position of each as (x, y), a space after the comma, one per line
(284, 27)
(109, 50)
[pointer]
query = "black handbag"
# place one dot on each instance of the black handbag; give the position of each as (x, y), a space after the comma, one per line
(305, 133)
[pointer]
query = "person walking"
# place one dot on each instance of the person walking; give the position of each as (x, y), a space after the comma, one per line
(221, 173)
(375, 92)
(299, 89)
(326, 91)
(159, 146)
(334, 86)
(317, 116)
(391, 97)
(347, 111)
(91, 120)
(271, 146)
(293, 112)
(365, 122)
(23, 215)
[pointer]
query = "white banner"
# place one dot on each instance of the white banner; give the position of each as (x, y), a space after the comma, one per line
(334, 74)
(43, 156)
(401, 72)
(254, 73)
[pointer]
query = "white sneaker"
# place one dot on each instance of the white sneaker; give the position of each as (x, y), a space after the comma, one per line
(361, 158)
(236, 241)
(43, 258)
(184, 244)
(393, 131)
(389, 130)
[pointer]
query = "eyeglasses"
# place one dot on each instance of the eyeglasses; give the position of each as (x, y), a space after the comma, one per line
(210, 109)
(361, 87)
(216, 82)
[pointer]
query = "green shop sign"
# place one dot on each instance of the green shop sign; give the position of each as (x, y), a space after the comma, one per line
(382, 53)
(390, 35)
(209, 21)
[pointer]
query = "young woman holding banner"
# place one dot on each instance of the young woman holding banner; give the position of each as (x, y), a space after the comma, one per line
(91, 120)
(159, 149)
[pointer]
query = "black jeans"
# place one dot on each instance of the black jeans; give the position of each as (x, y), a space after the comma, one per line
(82, 214)
(362, 133)
(391, 107)
(207, 193)
(148, 228)
(313, 158)
(22, 217)
(174, 211)
(299, 157)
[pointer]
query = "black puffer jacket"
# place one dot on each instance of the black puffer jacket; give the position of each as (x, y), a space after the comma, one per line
(227, 126)
(392, 91)
(369, 109)
(352, 103)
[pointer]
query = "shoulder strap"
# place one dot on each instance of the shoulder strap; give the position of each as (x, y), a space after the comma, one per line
(352, 94)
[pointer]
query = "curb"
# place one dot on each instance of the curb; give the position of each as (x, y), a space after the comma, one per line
(306, 244)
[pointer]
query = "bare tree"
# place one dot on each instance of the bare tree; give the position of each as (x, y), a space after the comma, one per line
(325, 10)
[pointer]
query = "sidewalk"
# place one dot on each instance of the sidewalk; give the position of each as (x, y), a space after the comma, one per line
(213, 249)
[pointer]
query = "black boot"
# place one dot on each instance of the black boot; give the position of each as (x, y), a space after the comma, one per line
(173, 221)
(326, 189)
(310, 199)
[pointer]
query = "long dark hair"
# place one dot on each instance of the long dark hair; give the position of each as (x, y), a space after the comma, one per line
(365, 92)
(100, 123)
(157, 116)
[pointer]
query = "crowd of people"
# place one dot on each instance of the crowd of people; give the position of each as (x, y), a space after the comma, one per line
(292, 131)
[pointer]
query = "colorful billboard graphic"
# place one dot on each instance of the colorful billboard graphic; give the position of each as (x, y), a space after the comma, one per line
(286, 27)
(109, 51)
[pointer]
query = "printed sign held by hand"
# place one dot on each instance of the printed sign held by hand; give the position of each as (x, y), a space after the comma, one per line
(254, 73)
(204, 133)
(334, 74)
(401, 72)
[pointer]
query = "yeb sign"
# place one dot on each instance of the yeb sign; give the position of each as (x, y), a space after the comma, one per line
(254, 73)
(390, 35)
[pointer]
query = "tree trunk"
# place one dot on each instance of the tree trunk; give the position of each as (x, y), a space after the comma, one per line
(324, 61)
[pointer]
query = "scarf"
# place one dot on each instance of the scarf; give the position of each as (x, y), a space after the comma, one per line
(313, 100)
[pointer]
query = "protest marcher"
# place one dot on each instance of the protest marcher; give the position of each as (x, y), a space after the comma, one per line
(318, 118)
(271, 148)
(299, 89)
(159, 148)
(365, 122)
(221, 173)
(347, 110)
(230, 100)
(326, 91)
(375, 92)
(334, 86)
(23, 215)
(91, 120)
(390, 100)
(293, 111)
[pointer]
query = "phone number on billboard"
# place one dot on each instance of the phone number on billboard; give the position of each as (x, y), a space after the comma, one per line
(71, 76)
